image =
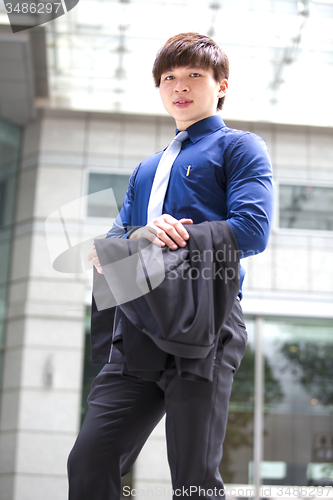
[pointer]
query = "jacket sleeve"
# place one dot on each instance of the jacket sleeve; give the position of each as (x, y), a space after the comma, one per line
(122, 225)
(249, 193)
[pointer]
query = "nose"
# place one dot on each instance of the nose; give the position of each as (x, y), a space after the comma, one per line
(181, 86)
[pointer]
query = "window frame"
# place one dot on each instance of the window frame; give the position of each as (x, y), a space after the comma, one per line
(99, 170)
(298, 231)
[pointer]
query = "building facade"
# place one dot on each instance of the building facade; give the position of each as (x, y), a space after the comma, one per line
(281, 414)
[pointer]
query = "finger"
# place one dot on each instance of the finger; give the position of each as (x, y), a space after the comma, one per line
(99, 269)
(177, 232)
(163, 238)
(178, 224)
(97, 265)
(92, 254)
(186, 221)
(149, 233)
(171, 234)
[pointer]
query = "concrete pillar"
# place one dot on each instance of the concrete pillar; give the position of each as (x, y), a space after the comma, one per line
(45, 329)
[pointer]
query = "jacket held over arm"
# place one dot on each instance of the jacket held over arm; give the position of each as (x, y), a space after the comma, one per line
(180, 314)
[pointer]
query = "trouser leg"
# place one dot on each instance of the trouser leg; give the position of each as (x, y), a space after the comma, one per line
(122, 413)
(196, 418)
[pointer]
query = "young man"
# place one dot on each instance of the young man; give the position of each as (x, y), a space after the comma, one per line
(220, 174)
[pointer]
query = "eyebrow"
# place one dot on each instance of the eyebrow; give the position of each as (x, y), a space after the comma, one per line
(170, 70)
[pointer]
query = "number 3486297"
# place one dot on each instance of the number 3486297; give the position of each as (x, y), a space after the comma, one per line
(32, 8)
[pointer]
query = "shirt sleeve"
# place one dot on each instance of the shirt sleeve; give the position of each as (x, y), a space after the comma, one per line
(122, 225)
(249, 193)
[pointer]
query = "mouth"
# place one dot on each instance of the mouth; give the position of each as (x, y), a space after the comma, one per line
(182, 103)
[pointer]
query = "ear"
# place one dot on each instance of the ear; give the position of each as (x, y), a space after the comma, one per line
(223, 87)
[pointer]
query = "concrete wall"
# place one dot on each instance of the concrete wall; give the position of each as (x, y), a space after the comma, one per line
(44, 341)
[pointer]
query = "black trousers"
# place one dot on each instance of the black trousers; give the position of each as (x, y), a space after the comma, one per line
(123, 412)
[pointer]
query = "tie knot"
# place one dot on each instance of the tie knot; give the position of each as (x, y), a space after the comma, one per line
(181, 136)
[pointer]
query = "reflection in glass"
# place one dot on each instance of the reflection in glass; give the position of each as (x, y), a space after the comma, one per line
(237, 463)
(10, 143)
(306, 207)
(299, 428)
(103, 205)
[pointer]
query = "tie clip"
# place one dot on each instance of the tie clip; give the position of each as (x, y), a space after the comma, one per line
(188, 170)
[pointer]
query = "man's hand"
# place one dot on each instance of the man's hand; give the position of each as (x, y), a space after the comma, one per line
(165, 230)
(95, 260)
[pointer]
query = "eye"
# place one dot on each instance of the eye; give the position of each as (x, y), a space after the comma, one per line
(169, 77)
(195, 74)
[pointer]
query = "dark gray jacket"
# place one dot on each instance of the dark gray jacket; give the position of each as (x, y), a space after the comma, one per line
(182, 316)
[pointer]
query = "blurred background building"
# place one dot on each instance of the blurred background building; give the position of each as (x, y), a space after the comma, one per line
(78, 111)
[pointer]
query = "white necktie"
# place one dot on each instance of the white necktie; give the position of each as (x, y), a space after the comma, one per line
(162, 176)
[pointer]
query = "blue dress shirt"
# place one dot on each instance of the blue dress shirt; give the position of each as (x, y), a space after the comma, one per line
(219, 174)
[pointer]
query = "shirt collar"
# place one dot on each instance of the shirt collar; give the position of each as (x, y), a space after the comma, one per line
(204, 127)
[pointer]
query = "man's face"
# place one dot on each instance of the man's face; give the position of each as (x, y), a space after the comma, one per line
(190, 94)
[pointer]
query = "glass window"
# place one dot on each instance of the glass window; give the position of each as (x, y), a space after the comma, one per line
(103, 205)
(298, 420)
(10, 144)
(2, 202)
(306, 207)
